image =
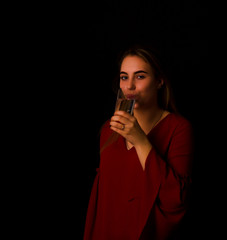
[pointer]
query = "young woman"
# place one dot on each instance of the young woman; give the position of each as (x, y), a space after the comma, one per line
(142, 185)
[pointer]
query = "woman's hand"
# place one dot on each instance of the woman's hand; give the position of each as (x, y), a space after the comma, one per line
(128, 127)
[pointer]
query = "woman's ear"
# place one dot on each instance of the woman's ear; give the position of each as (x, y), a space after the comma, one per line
(160, 83)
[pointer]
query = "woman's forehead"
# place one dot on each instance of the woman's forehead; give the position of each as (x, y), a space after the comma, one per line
(134, 63)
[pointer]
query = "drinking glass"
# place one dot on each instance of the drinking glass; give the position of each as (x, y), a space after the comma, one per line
(124, 104)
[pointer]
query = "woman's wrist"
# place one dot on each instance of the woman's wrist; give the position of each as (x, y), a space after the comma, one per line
(143, 143)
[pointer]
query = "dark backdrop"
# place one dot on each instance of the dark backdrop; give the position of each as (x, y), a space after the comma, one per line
(81, 45)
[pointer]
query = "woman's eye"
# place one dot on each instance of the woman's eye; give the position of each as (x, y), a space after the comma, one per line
(140, 77)
(123, 77)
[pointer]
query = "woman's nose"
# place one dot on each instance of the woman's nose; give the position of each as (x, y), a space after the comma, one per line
(131, 84)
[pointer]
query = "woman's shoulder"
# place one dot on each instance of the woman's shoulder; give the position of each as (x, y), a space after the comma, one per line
(178, 121)
(105, 131)
(178, 118)
(106, 126)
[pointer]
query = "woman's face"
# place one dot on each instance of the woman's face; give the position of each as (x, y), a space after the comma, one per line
(137, 82)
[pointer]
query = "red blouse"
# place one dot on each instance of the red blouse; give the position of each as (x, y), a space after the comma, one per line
(127, 203)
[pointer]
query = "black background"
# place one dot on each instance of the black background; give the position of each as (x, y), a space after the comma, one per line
(76, 47)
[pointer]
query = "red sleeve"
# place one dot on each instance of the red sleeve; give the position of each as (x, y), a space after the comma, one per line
(168, 181)
(107, 136)
(91, 211)
(92, 206)
(105, 133)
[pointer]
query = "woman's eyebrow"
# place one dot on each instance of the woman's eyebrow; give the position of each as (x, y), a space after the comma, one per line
(140, 71)
(123, 73)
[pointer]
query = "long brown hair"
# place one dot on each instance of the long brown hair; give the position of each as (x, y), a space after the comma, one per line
(165, 96)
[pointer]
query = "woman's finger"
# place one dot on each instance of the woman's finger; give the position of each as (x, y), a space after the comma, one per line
(120, 119)
(124, 114)
(117, 125)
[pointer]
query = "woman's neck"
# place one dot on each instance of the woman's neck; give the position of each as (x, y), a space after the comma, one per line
(148, 118)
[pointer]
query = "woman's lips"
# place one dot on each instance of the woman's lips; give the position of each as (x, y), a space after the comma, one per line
(131, 96)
